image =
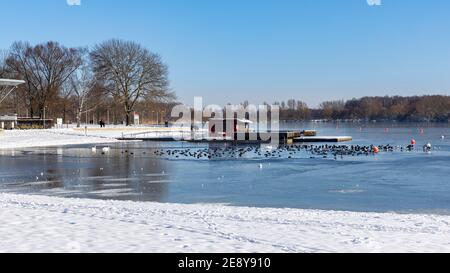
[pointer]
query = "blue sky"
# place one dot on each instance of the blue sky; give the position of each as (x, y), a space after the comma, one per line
(261, 50)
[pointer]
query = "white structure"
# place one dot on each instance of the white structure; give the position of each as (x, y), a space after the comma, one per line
(8, 122)
(137, 119)
(6, 88)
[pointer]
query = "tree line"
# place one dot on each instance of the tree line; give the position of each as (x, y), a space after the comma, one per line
(110, 81)
(116, 78)
(414, 108)
(430, 108)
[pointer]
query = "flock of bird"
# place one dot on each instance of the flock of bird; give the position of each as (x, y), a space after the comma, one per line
(269, 152)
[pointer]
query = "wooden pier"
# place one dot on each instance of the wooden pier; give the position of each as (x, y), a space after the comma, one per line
(284, 137)
(323, 139)
(250, 138)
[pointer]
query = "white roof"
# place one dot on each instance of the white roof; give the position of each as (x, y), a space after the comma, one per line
(7, 82)
(225, 119)
(245, 121)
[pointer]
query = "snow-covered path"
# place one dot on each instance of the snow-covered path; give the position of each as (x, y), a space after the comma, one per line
(49, 224)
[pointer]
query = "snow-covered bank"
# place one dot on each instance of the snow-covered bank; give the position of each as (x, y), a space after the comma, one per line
(74, 136)
(49, 224)
(43, 138)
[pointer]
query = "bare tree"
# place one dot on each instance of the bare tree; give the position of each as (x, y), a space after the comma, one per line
(332, 109)
(292, 104)
(45, 68)
(3, 68)
(303, 110)
(131, 72)
(17, 62)
(80, 85)
(3, 74)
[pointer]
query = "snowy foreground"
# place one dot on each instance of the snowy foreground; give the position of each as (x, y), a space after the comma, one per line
(49, 224)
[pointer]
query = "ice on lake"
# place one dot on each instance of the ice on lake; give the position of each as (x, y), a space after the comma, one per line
(390, 181)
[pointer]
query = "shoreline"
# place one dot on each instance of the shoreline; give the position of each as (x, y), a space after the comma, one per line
(40, 138)
(51, 224)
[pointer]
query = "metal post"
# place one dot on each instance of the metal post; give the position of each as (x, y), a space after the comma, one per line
(7, 94)
(44, 117)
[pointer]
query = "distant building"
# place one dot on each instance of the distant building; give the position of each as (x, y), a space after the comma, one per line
(7, 86)
(8, 122)
(228, 127)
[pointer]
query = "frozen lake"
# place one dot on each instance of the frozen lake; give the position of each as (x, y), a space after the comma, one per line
(390, 181)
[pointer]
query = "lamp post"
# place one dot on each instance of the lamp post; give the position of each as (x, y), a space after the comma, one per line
(44, 117)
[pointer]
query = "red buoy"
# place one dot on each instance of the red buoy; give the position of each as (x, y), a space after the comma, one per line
(376, 150)
(413, 142)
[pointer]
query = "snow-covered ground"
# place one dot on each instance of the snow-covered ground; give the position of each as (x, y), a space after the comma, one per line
(42, 138)
(73, 136)
(93, 135)
(50, 224)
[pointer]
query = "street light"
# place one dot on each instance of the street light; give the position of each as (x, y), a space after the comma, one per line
(44, 116)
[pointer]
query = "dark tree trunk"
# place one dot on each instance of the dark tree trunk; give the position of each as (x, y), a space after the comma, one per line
(127, 113)
(64, 113)
(31, 111)
(128, 118)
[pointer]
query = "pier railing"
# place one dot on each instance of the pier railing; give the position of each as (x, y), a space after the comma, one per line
(168, 134)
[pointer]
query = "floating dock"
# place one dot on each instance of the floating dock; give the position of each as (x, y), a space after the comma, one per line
(250, 138)
(284, 137)
(323, 139)
(241, 134)
(155, 139)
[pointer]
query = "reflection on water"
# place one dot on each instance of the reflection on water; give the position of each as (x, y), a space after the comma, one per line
(78, 172)
(391, 181)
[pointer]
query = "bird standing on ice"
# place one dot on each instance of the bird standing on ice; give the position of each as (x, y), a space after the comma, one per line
(427, 148)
